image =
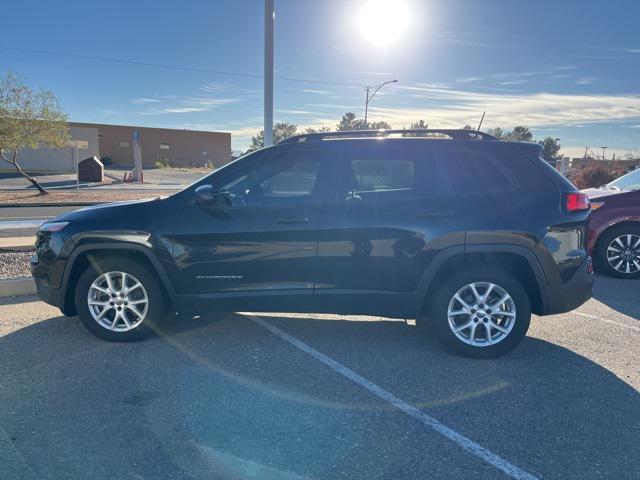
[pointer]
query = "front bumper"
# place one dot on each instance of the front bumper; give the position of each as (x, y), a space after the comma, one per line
(46, 292)
(572, 294)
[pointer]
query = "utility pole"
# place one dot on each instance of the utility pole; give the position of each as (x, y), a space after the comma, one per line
(269, 19)
(368, 97)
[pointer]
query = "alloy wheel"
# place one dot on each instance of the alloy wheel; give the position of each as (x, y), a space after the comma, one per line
(118, 301)
(623, 253)
(481, 314)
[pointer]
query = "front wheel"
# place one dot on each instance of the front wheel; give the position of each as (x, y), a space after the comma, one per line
(481, 313)
(119, 299)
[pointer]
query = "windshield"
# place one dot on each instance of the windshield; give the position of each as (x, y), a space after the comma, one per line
(630, 181)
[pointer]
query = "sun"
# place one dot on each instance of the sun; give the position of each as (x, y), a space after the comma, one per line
(383, 21)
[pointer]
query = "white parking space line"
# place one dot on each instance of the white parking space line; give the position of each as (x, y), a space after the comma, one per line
(606, 320)
(462, 441)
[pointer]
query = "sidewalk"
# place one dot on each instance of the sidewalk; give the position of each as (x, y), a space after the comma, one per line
(17, 243)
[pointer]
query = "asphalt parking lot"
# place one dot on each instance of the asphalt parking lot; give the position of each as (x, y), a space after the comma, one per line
(236, 396)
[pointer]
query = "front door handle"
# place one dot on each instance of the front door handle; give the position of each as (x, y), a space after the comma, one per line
(436, 213)
(292, 220)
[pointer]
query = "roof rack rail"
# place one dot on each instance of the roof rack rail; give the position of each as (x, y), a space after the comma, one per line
(454, 134)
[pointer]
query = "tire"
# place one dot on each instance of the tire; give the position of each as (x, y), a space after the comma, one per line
(514, 322)
(607, 258)
(140, 324)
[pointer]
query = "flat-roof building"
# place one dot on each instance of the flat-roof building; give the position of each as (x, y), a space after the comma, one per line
(182, 148)
(175, 147)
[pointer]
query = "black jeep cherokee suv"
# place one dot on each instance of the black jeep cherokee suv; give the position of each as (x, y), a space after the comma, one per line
(450, 227)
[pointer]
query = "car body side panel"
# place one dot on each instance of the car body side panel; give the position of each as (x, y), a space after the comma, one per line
(618, 208)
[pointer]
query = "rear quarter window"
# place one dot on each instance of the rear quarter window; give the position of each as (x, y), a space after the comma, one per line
(477, 172)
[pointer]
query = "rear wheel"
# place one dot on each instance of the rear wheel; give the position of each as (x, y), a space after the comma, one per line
(481, 313)
(618, 252)
(119, 299)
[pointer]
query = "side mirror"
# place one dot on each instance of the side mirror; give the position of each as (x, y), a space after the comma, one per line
(207, 197)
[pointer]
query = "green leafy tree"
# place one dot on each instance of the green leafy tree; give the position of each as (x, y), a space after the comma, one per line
(349, 121)
(497, 132)
(379, 125)
(419, 125)
(317, 130)
(519, 134)
(281, 130)
(550, 149)
(28, 119)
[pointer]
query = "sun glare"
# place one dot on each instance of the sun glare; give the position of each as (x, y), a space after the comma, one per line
(383, 21)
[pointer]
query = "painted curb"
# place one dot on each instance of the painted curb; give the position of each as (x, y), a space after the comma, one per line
(12, 287)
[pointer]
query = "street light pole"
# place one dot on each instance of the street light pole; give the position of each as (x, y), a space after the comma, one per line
(269, 16)
(603, 149)
(368, 97)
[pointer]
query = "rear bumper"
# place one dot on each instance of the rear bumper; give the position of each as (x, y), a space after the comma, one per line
(571, 295)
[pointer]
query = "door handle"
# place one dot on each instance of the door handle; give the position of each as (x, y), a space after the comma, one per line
(292, 220)
(436, 213)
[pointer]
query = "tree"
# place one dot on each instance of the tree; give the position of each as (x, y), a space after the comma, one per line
(349, 121)
(281, 130)
(28, 119)
(378, 125)
(519, 134)
(317, 130)
(550, 149)
(419, 125)
(497, 132)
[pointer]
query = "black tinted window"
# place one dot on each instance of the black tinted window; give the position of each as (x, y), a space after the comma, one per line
(277, 179)
(382, 175)
(472, 173)
(385, 173)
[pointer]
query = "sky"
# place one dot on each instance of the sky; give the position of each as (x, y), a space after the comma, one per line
(569, 69)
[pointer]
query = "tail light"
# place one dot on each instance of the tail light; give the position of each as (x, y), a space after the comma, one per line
(576, 202)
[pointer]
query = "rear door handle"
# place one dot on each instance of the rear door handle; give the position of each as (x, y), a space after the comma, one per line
(292, 220)
(436, 213)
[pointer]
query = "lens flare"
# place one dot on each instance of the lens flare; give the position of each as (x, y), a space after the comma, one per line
(383, 21)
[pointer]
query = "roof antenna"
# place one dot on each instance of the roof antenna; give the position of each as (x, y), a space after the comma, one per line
(481, 120)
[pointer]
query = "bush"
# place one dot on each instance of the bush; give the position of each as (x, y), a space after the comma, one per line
(595, 174)
(163, 163)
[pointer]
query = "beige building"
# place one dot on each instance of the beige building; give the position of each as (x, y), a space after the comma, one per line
(182, 148)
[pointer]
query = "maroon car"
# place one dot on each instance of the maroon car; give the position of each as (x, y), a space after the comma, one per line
(614, 228)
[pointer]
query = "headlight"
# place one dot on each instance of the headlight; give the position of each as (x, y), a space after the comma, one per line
(53, 226)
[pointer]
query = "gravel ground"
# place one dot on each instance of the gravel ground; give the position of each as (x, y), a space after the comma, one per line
(14, 264)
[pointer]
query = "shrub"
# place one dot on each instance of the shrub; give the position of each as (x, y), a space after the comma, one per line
(595, 174)
(163, 163)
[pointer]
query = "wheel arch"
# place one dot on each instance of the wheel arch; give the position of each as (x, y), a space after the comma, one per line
(83, 256)
(613, 226)
(516, 260)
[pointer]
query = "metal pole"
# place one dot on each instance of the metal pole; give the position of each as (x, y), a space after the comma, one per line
(366, 105)
(269, 16)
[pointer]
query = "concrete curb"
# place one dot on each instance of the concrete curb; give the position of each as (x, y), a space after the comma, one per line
(12, 287)
(40, 205)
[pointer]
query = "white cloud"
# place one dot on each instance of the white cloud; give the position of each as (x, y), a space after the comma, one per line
(143, 101)
(446, 107)
(586, 80)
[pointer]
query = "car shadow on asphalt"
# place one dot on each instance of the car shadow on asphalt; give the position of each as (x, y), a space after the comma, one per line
(545, 408)
(622, 295)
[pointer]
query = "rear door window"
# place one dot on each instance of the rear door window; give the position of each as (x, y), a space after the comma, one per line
(383, 173)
